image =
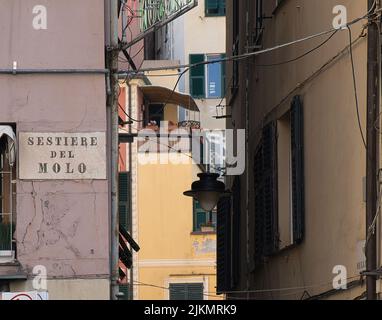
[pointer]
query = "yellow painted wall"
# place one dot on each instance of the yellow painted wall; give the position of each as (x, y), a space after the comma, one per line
(169, 250)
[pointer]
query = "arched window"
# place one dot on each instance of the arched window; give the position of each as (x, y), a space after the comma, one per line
(7, 193)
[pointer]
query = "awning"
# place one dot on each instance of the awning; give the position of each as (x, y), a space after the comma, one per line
(156, 94)
(8, 131)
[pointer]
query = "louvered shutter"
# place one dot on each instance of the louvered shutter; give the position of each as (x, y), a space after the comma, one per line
(215, 7)
(298, 201)
(236, 213)
(125, 289)
(194, 291)
(177, 291)
(270, 189)
(200, 216)
(124, 194)
(212, 6)
(124, 188)
(186, 291)
(197, 76)
(259, 205)
(223, 245)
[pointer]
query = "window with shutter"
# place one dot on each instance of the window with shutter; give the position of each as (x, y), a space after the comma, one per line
(259, 203)
(236, 213)
(7, 194)
(270, 189)
(124, 194)
(214, 77)
(265, 179)
(125, 290)
(203, 218)
(186, 291)
(279, 184)
(298, 202)
(215, 7)
(197, 76)
(223, 245)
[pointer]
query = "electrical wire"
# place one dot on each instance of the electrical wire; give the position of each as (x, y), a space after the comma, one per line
(127, 115)
(138, 52)
(371, 229)
(355, 86)
(251, 54)
(301, 56)
(297, 290)
(244, 56)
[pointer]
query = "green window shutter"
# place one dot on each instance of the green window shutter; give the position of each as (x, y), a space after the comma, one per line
(124, 188)
(195, 291)
(186, 291)
(298, 202)
(200, 216)
(125, 289)
(197, 76)
(123, 215)
(215, 7)
(177, 291)
(124, 194)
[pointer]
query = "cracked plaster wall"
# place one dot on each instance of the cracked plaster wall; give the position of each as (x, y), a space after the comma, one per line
(62, 225)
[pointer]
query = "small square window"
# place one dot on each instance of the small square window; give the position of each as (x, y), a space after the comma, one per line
(215, 8)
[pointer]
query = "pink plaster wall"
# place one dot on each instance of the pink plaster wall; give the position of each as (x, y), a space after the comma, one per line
(62, 225)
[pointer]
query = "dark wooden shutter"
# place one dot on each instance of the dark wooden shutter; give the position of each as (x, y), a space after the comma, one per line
(223, 245)
(197, 76)
(259, 205)
(298, 201)
(236, 220)
(124, 195)
(270, 189)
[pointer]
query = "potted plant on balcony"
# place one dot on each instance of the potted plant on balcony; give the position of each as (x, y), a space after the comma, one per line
(207, 227)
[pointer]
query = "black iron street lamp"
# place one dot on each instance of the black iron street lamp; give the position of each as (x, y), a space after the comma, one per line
(208, 190)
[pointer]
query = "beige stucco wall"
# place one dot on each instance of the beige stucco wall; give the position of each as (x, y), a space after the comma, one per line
(204, 35)
(333, 149)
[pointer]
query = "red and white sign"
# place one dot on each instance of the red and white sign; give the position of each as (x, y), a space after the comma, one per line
(31, 295)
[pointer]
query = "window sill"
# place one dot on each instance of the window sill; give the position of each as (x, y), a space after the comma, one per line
(202, 233)
(217, 15)
(12, 271)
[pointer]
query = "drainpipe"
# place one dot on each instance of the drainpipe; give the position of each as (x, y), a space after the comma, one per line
(131, 195)
(112, 62)
(247, 185)
(372, 154)
(124, 22)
